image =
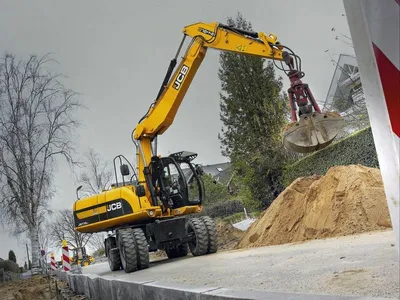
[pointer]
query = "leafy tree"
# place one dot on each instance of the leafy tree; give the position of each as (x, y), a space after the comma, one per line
(11, 256)
(253, 112)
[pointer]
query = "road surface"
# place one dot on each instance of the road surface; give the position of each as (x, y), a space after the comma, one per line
(362, 265)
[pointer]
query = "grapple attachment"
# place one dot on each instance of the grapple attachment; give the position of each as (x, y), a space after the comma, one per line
(312, 132)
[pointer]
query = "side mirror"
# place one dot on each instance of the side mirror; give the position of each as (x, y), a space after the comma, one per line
(124, 170)
(140, 191)
(77, 190)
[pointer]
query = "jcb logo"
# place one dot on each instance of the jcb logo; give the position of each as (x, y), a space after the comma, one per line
(114, 206)
(181, 76)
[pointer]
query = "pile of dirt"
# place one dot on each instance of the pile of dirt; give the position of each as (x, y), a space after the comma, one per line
(347, 200)
(27, 289)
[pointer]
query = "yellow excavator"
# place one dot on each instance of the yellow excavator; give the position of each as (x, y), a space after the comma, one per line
(80, 257)
(154, 206)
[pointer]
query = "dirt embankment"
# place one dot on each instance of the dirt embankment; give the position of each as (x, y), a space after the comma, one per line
(35, 288)
(228, 236)
(347, 200)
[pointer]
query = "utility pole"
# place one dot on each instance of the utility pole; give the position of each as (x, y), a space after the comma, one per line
(27, 253)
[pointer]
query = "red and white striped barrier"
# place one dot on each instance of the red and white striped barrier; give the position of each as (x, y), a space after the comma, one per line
(52, 262)
(375, 31)
(65, 256)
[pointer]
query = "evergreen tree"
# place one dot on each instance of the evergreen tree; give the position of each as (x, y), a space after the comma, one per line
(11, 256)
(253, 112)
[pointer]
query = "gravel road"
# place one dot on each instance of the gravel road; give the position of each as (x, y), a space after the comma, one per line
(362, 265)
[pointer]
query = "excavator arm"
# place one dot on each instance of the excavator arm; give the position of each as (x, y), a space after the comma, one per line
(310, 129)
(213, 35)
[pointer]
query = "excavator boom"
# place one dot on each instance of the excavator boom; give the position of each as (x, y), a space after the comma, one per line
(309, 130)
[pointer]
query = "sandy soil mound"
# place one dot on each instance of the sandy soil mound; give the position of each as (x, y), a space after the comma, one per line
(347, 200)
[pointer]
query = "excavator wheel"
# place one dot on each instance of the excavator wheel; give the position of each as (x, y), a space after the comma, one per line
(142, 250)
(114, 260)
(127, 250)
(112, 253)
(199, 244)
(212, 234)
(312, 132)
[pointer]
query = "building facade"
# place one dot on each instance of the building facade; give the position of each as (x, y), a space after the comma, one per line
(346, 96)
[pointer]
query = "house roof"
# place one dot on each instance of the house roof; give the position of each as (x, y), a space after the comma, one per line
(216, 169)
(221, 172)
(225, 176)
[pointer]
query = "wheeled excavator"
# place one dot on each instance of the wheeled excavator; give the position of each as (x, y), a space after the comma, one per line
(80, 257)
(154, 206)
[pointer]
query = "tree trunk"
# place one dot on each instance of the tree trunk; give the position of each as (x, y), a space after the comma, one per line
(34, 237)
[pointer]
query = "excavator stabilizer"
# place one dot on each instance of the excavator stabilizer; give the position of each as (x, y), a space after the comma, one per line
(312, 132)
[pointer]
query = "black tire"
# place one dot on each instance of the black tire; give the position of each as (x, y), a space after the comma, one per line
(113, 258)
(127, 250)
(198, 246)
(180, 251)
(211, 233)
(142, 249)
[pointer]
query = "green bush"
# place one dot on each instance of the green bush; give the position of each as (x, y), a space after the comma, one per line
(223, 209)
(9, 265)
(358, 148)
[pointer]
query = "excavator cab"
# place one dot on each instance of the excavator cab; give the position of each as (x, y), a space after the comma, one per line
(177, 180)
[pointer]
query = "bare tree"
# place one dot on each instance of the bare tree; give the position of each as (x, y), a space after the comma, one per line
(37, 120)
(96, 242)
(44, 237)
(97, 176)
(63, 228)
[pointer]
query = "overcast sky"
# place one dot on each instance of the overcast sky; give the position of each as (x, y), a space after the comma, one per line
(115, 54)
